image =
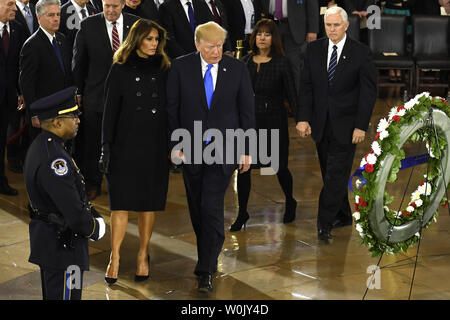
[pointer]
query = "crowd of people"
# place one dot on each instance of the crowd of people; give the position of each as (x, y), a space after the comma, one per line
(140, 69)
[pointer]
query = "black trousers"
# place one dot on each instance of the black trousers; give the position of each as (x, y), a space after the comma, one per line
(92, 137)
(61, 285)
(205, 192)
(3, 129)
(336, 161)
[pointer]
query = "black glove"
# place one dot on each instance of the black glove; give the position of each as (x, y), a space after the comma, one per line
(103, 163)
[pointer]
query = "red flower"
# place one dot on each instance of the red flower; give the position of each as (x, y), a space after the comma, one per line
(413, 204)
(396, 118)
(369, 168)
(362, 203)
(400, 108)
(377, 136)
(422, 183)
(406, 213)
(445, 204)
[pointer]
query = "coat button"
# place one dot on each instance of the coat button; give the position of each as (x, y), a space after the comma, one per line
(137, 78)
(138, 94)
(154, 95)
(154, 110)
(153, 79)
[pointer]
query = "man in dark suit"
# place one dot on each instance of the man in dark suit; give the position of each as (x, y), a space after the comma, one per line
(214, 91)
(242, 17)
(358, 7)
(180, 18)
(337, 96)
(99, 37)
(26, 15)
(12, 38)
(72, 12)
(44, 59)
(298, 22)
(219, 15)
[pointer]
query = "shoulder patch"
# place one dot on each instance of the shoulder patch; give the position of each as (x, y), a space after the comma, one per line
(59, 167)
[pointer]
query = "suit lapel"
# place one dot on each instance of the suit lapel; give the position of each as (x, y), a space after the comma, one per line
(126, 27)
(221, 75)
(324, 62)
(104, 30)
(181, 13)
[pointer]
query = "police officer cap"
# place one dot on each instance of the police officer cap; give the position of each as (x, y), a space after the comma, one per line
(58, 104)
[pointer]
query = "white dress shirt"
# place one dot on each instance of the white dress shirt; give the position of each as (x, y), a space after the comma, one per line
(214, 70)
(119, 26)
(78, 10)
(340, 46)
(185, 7)
(7, 28)
(21, 6)
(49, 36)
(283, 6)
(249, 12)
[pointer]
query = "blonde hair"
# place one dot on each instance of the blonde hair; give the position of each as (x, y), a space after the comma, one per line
(138, 32)
(210, 31)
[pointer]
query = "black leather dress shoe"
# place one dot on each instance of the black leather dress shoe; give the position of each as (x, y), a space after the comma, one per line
(6, 189)
(324, 235)
(205, 283)
(339, 223)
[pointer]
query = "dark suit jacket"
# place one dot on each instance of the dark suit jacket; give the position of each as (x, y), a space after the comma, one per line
(9, 66)
(20, 18)
(147, 10)
(303, 17)
(40, 71)
(179, 32)
(97, 4)
(70, 21)
(357, 5)
(224, 22)
(236, 18)
(92, 58)
(351, 98)
(232, 105)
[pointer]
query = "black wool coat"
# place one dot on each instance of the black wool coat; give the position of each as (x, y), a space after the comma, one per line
(135, 128)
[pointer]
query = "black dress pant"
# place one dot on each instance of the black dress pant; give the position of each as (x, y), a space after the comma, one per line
(92, 133)
(336, 161)
(3, 129)
(205, 190)
(60, 285)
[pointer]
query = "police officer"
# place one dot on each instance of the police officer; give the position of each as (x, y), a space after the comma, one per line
(62, 219)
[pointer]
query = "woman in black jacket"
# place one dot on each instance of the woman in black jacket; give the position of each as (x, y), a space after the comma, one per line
(134, 141)
(272, 82)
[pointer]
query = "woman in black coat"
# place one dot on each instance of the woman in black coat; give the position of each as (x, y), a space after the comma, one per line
(134, 142)
(272, 81)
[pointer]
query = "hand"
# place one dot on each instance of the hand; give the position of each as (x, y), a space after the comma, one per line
(79, 100)
(358, 136)
(103, 163)
(20, 103)
(35, 122)
(244, 163)
(311, 37)
(303, 129)
(177, 157)
(363, 14)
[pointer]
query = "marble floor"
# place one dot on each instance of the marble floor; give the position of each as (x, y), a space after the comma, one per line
(269, 260)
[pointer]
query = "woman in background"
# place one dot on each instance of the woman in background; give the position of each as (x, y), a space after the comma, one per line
(134, 141)
(273, 83)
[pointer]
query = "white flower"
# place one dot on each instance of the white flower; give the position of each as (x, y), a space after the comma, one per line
(371, 158)
(429, 150)
(359, 228)
(418, 202)
(361, 234)
(386, 208)
(401, 113)
(358, 183)
(425, 189)
(357, 199)
(392, 113)
(411, 103)
(410, 209)
(382, 125)
(357, 215)
(376, 148)
(420, 95)
(417, 234)
(363, 163)
(384, 134)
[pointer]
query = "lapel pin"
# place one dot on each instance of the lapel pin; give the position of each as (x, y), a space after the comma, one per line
(225, 69)
(344, 57)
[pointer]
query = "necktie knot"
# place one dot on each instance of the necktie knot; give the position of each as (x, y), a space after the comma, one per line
(83, 13)
(335, 47)
(27, 10)
(209, 67)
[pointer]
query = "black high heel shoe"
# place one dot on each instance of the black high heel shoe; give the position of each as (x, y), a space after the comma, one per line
(143, 278)
(241, 220)
(289, 214)
(109, 280)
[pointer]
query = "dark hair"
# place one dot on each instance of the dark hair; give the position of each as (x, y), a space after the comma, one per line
(267, 25)
(137, 34)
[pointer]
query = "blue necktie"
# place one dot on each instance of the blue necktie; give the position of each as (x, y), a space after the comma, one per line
(28, 18)
(58, 53)
(191, 15)
(209, 90)
(332, 65)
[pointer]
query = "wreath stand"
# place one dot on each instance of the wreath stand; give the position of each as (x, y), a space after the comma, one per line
(415, 224)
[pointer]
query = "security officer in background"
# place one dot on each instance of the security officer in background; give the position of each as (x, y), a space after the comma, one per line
(62, 219)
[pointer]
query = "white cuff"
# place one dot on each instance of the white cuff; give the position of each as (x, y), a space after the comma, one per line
(101, 227)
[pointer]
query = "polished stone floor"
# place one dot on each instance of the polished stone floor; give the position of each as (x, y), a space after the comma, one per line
(269, 260)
